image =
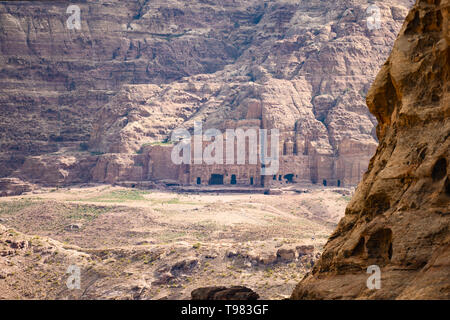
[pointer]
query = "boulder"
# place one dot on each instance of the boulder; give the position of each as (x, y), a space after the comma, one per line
(268, 259)
(184, 266)
(286, 255)
(73, 227)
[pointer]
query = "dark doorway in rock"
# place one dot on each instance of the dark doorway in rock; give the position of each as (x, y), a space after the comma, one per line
(379, 245)
(339, 183)
(251, 181)
(325, 182)
(216, 179)
(275, 177)
(233, 179)
(289, 178)
(199, 180)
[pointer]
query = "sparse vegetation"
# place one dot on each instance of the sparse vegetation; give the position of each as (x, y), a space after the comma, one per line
(156, 143)
(85, 212)
(119, 196)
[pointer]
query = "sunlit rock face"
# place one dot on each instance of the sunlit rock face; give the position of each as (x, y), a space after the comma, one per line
(398, 219)
(136, 70)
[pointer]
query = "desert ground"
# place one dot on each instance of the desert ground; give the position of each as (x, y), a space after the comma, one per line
(147, 244)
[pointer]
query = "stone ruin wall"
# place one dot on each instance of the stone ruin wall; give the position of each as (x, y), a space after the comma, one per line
(300, 162)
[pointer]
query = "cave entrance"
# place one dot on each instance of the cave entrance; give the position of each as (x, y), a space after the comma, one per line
(379, 245)
(233, 179)
(216, 179)
(339, 183)
(199, 180)
(325, 183)
(289, 178)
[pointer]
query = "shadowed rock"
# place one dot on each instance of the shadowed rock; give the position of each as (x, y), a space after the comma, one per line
(398, 218)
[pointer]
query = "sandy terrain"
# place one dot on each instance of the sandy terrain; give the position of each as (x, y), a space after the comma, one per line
(133, 244)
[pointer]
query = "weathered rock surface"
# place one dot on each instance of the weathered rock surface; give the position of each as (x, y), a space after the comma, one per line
(137, 70)
(55, 170)
(399, 217)
(304, 250)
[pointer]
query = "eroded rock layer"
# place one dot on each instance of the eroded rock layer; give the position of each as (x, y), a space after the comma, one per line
(138, 69)
(400, 215)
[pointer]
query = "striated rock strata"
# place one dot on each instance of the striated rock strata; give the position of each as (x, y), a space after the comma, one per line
(399, 217)
(138, 69)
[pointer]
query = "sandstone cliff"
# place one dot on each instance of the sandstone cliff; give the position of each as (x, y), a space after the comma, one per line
(305, 70)
(138, 69)
(399, 217)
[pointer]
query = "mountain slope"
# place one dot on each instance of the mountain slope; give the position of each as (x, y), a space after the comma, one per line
(138, 69)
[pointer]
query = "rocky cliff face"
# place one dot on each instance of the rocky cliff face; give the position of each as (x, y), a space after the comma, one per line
(399, 217)
(305, 69)
(54, 80)
(138, 69)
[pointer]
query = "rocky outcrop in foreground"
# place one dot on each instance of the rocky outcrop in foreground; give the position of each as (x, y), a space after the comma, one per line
(399, 217)
(223, 293)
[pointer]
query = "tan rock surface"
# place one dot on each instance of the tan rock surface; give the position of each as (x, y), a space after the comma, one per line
(305, 71)
(399, 216)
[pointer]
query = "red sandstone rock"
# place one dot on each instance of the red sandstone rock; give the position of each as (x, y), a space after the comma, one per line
(135, 72)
